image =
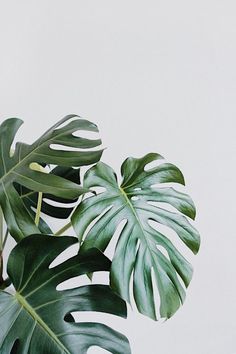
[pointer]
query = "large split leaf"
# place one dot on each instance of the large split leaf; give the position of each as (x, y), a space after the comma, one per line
(16, 168)
(140, 245)
(37, 318)
(62, 209)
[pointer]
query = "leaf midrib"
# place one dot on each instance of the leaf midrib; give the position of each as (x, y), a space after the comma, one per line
(31, 311)
(143, 232)
(137, 218)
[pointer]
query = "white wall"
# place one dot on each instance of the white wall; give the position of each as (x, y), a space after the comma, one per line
(155, 76)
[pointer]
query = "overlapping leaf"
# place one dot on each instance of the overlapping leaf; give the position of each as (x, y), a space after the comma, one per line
(37, 318)
(62, 209)
(16, 169)
(139, 249)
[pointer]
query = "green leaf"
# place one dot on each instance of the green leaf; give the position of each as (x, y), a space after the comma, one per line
(30, 198)
(139, 250)
(15, 168)
(37, 318)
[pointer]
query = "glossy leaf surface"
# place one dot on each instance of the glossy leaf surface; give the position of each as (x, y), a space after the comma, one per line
(139, 250)
(62, 209)
(50, 148)
(37, 318)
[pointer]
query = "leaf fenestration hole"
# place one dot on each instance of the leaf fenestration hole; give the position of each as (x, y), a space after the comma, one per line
(163, 205)
(181, 281)
(58, 204)
(95, 220)
(163, 251)
(65, 255)
(86, 134)
(151, 165)
(101, 277)
(75, 149)
(64, 124)
(179, 187)
(75, 282)
(96, 350)
(92, 316)
(172, 236)
(98, 189)
(109, 252)
(15, 347)
(156, 295)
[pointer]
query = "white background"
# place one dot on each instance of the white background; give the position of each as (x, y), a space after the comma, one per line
(155, 76)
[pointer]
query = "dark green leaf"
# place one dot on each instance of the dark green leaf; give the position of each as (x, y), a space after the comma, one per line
(139, 247)
(37, 318)
(62, 211)
(16, 169)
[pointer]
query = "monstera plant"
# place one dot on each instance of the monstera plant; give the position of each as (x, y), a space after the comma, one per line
(42, 182)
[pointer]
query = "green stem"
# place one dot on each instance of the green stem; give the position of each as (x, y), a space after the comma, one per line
(63, 229)
(68, 225)
(39, 205)
(27, 194)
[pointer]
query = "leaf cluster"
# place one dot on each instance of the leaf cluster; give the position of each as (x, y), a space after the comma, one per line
(41, 182)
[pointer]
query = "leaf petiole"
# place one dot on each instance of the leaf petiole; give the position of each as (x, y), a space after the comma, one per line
(63, 229)
(68, 225)
(39, 206)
